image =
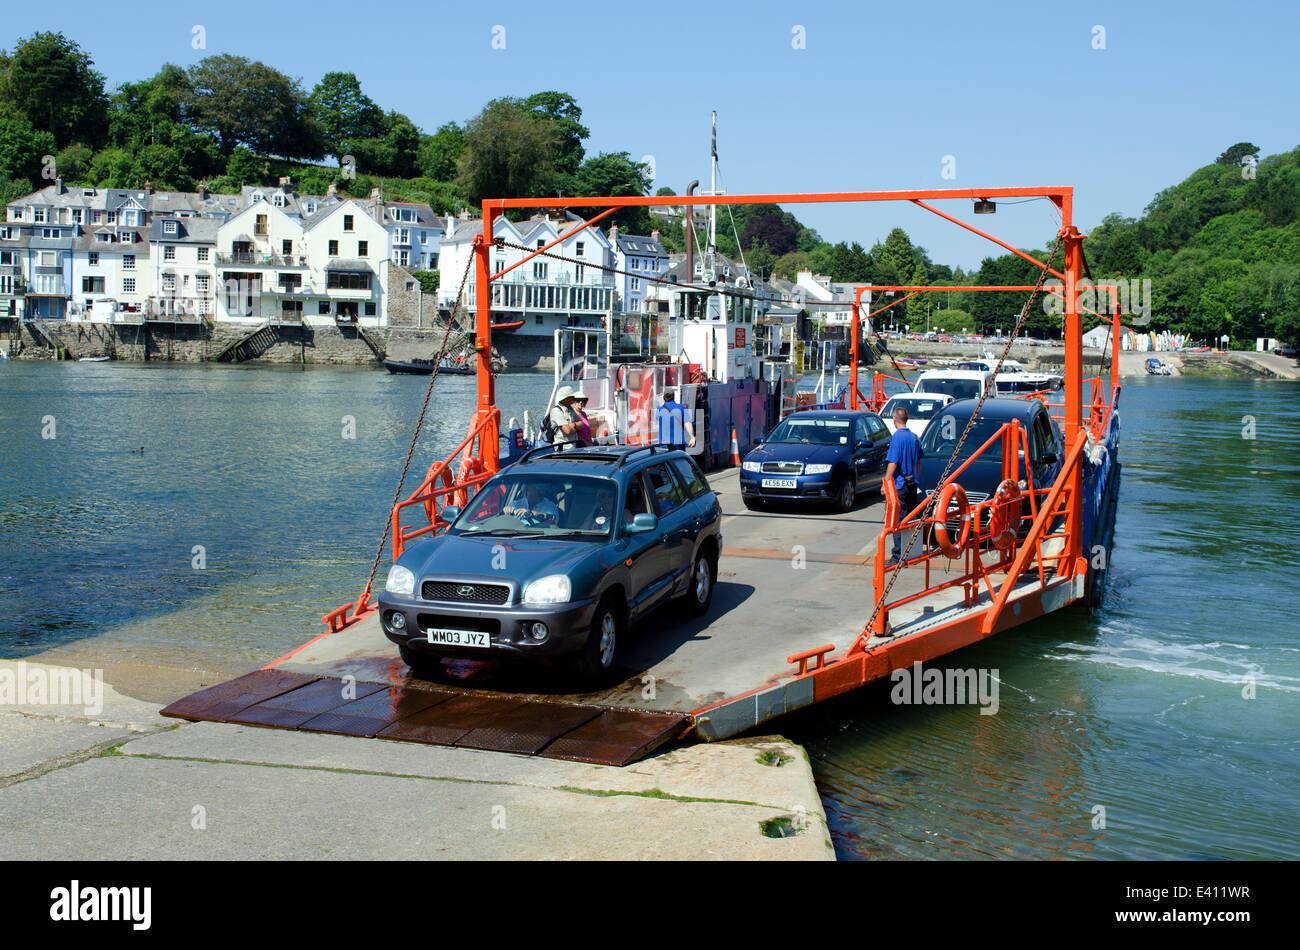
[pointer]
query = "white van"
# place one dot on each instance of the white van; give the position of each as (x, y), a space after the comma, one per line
(957, 383)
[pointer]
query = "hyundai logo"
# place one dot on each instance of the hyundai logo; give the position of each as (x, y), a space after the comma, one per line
(464, 590)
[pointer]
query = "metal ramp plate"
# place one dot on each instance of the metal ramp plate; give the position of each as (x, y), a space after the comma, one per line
(218, 703)
(583, 733)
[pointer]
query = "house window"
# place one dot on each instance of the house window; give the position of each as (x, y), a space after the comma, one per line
(286, 247)
(402, 236)
(111, 217)
(76, 215)
(277, 199)
(636, 283)
(92, 285)
(404, 257)
(201, 283)
(92, 259)
(539, 271)
(578, 271)
(370, 310)
(538, 319)
(334, 248)
(260, 226)
(342, 280)
(128, 262)
(128, 285)
(169, 252)
(578, 248)
(347, 222)
(103, 237)
(6, 234)
(38, 215)
(203, 255)
(50, 232)
(169, 227)
(169, 283)
(363, 249)
(424, 237)
(324, 307)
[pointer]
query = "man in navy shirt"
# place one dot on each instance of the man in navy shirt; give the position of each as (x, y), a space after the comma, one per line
(904, 460)
(675, 427)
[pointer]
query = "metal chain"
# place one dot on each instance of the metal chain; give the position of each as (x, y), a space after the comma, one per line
(415, 437)
(926, 512)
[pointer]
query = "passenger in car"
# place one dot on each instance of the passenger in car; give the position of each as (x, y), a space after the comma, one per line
(537, 506)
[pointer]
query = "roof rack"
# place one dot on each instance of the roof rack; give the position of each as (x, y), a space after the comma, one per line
(644, 448)
(545, 450)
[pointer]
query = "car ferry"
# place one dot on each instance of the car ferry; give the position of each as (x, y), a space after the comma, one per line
(795, 606)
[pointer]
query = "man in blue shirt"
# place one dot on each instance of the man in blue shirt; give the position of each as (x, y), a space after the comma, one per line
(674, 422)
(904, 460)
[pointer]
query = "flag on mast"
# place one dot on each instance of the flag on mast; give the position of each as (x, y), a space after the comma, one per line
(715, 136)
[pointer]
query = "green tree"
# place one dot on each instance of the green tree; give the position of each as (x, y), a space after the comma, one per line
(563, 112)
(23, 149)
(440, 152)
(53, 83)
(612, 175)
(243, 102)
(344, 112)
(73, 162)
(1234, 154)
(510, 152)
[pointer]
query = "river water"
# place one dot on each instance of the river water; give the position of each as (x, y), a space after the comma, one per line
(206, 516)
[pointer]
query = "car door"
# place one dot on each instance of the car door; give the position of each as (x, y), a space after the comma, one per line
(864, 452)
(676, 520)
(643, 554)
(1046, 450)
(704, 509)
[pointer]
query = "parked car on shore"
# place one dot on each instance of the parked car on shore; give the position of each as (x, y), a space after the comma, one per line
(555, 558)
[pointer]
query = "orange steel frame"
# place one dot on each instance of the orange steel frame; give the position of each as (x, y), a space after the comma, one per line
(481, 448)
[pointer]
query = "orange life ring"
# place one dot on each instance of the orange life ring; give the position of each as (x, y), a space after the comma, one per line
(946, 495)
(438, 477)
(469, 468)
(1005, 515)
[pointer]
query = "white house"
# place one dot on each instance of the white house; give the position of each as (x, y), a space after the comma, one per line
(545, 293)
(641, 261)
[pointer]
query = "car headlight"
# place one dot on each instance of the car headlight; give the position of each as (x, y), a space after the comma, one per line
(400, 580)
(817, 469)
(752, 466)
(553, 589)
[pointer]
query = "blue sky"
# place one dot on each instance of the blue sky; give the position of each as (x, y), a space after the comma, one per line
(880, 94)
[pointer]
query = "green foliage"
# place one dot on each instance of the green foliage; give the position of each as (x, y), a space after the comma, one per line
(562, 112)
(612, 175)
(440, 152)
(344, 112)
(428, 280)
(23, 149)
(51, 81)
(244, 102)
(1234, 154)
(509, 153)
(73, 163)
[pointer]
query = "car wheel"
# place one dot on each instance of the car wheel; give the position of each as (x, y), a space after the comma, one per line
(596, 661)
(422, 665)
(704, 575)
(848, 495)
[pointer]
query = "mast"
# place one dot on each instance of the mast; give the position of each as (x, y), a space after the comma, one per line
(713, 190)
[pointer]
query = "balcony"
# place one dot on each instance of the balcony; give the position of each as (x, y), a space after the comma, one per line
(258, 259)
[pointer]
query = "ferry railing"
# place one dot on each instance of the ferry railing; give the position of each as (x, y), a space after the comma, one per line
(439, 485)
(1047, 506)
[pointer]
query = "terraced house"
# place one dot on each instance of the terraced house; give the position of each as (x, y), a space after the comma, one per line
(267, 254)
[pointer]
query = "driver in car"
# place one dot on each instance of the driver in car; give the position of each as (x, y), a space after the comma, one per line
(538, 507)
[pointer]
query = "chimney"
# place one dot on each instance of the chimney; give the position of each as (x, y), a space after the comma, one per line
(203, 192)
(148, 187)
(58, 185)
(331, 191)
(286, 183)
(374, 194)
(654, 235)
(464, 214)
(613, 236)
(451, 225)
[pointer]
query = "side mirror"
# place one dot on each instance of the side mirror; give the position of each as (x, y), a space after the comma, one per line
(642, 523)
(865, 444)
(758, 440)
(450, 513)
(1051, 458)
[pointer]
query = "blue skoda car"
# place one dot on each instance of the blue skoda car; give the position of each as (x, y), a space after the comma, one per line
(818, 455)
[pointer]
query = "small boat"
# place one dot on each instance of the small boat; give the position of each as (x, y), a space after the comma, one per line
(94, 359)
(426, 367)
(507, 327)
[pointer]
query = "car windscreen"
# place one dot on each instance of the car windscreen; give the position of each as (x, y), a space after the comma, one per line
(916, 408)
(520, 502)
(811, 431)
(956, 388)
(941, 437)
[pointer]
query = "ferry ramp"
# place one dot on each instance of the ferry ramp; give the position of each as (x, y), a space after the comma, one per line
(790, 580)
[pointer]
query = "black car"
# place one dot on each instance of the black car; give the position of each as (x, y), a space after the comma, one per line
(554, 558)
(982, 477)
